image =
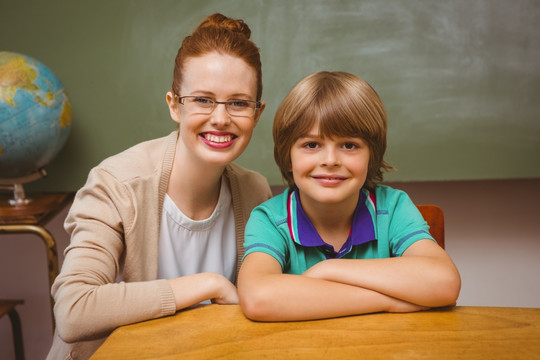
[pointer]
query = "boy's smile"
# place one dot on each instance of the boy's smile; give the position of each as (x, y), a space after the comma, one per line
(329, 179)
(329, 171)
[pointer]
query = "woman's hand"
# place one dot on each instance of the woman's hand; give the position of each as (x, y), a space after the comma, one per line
(192, 289)
(227, 293)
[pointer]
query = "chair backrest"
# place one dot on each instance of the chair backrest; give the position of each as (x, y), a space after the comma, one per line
(434, 216)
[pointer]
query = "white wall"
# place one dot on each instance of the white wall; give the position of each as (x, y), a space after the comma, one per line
(24, 275)
(492, 233)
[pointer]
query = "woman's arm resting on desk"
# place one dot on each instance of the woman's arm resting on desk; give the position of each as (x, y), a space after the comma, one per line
(424, 275)
(266, 294)
(192, 289)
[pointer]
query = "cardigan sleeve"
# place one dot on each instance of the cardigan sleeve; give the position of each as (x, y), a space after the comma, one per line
(89, 301)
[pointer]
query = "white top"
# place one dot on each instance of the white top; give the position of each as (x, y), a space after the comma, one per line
(189, 247)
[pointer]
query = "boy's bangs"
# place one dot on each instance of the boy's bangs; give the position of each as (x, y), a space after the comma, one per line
(336, 118)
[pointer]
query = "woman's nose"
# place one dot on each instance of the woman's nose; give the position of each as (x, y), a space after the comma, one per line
(220, 117)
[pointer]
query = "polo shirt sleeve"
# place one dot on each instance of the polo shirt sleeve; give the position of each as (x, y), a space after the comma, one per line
(405, 222)
(265, 233)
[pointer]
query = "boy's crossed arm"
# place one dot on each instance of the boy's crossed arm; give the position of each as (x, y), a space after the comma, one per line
(423, 277)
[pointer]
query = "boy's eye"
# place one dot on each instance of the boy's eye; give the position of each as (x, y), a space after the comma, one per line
(350, 146)
(311, 145)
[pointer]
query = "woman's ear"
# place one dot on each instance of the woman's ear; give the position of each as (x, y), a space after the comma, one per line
(259, 112)
(172, 102)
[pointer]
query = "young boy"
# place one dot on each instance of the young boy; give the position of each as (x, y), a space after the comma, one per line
(336, 243)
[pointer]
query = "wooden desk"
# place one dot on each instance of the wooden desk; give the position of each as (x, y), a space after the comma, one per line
(222, 332)
(32, 218)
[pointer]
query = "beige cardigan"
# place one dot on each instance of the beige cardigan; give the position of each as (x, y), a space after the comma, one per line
(109, 274)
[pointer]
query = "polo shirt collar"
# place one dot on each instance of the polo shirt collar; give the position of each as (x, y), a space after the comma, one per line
(303, 232)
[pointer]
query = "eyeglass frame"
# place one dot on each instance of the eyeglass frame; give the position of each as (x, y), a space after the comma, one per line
(258, 104)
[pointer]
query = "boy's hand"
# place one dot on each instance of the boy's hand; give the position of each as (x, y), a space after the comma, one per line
(317, 271)
(401, 306)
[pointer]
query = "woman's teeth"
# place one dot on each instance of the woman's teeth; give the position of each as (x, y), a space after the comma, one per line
(218, 139)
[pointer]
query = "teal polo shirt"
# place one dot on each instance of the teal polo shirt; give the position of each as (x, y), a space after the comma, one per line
(385, 223)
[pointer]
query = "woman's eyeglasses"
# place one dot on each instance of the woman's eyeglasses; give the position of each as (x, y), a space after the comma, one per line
(204, 105)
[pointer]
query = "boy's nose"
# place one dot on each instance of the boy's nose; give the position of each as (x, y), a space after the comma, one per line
(330, 158)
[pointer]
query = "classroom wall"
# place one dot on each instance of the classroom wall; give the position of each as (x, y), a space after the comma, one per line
(460, 79)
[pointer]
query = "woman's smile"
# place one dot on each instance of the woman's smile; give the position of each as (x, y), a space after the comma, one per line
(218, 139)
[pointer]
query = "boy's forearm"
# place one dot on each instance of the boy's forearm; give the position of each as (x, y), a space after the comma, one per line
(421, 280)
(282, 297)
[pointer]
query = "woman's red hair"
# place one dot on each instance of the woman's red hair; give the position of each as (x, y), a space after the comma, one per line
(218, 33)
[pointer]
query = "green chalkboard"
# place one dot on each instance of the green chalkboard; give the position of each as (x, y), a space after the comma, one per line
(460, 79)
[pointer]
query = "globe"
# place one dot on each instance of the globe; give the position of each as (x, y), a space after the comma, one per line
(35, 118)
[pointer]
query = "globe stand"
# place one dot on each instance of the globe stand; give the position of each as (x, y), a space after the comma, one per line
(19, 196)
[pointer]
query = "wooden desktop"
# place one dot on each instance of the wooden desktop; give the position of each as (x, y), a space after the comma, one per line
(222, 332)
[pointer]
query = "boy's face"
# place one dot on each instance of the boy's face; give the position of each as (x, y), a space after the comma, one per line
(329, 170)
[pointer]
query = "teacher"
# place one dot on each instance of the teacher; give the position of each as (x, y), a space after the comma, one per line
(160, 226)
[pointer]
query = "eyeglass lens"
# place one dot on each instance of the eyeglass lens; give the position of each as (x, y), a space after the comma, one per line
(202, 105)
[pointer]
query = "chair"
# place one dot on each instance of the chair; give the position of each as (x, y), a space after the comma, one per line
(8, 307)
(434, 216)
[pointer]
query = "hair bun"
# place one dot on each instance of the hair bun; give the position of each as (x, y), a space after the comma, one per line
(219, 21)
